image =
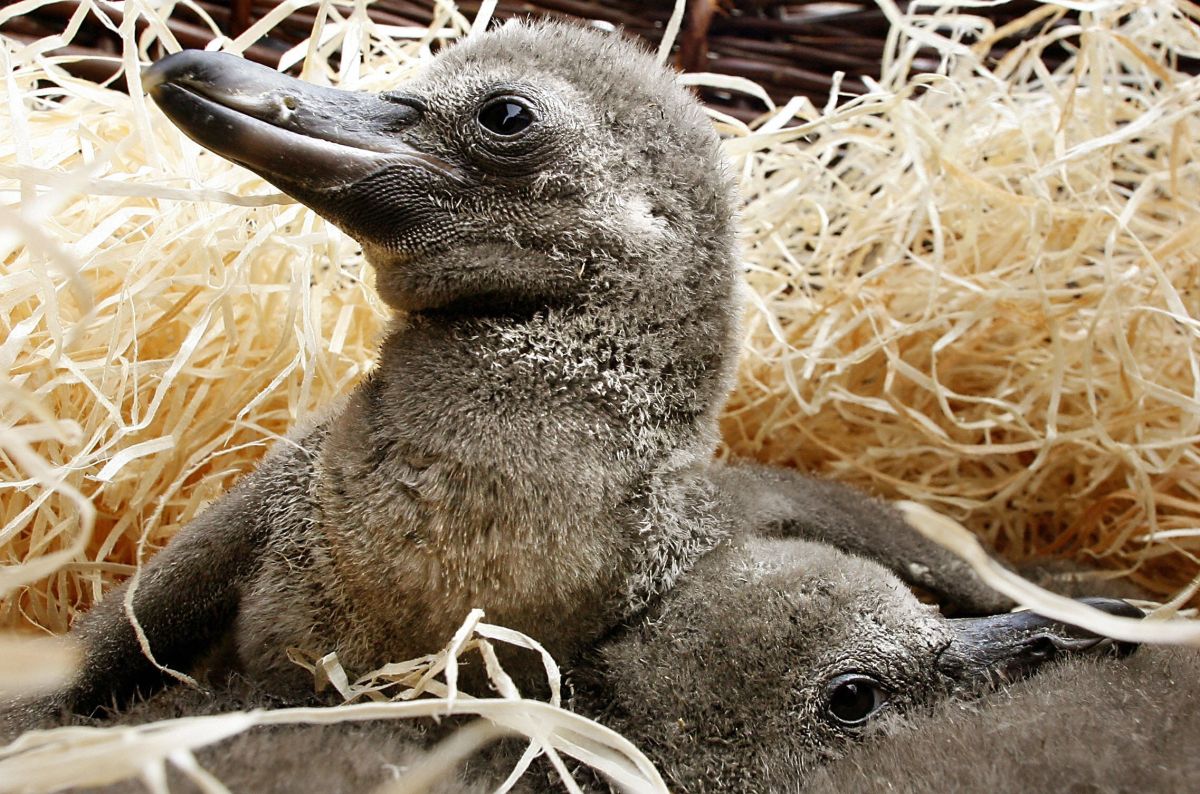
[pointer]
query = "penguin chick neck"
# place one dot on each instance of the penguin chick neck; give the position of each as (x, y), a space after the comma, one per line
(524, 452)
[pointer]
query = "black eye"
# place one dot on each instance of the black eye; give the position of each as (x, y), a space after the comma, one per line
(852, 698)
(505, 116)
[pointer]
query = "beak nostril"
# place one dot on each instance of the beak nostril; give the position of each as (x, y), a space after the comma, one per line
(290, 102)
(404, 98)
(1041, 649)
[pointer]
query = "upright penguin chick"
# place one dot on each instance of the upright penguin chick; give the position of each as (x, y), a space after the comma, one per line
(550, 212)
(773, 655)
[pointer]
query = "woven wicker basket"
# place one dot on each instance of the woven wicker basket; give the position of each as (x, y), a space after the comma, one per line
(789, 48)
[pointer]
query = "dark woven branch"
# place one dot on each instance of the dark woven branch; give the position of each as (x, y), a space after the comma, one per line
(789, 48)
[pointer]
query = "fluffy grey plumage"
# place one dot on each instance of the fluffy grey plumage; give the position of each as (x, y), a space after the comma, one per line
(775, 502)
(735, 681)
(1080, 725)
(536, 440)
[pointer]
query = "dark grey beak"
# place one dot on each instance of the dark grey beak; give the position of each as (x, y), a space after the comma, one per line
(1000, 648)
(294, 134)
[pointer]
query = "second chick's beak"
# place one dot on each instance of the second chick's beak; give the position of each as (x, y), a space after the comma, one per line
(1001, 648)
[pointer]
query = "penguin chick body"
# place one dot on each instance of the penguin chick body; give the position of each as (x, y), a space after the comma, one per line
(775, 502)
(549, 212)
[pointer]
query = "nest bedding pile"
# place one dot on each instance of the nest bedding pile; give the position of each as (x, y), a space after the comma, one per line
(977, 290)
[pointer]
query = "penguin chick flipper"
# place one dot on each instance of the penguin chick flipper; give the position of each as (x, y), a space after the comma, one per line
(778, 502)
(184, 601)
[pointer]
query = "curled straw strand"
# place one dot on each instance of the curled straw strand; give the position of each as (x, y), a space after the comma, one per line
(958, 539)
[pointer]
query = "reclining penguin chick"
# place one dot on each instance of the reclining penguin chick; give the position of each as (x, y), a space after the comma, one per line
(1081, 725)
(774, 655)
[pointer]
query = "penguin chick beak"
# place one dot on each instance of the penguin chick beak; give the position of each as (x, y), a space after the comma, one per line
(294, 134)
(998, 649)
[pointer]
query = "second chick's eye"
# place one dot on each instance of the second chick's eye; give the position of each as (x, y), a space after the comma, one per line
(852, 698)
(505, 116)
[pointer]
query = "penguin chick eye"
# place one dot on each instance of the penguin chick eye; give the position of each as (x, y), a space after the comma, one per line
(852, 698)
(505, 116)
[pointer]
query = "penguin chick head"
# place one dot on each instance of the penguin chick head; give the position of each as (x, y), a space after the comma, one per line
(780, 653)
(539, 164)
